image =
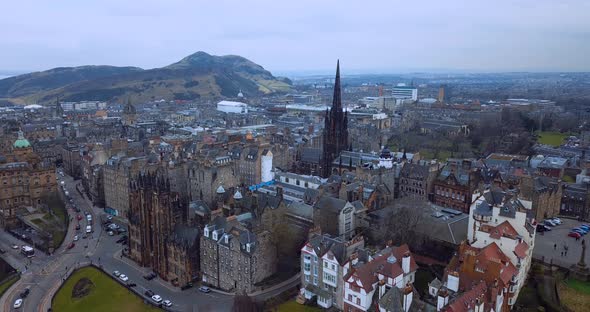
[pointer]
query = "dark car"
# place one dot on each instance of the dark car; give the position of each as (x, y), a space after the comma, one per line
(131, 284)
(149, 293)
(122, 239)
(150, 276)
(70, 246)
(2, 251)
(186, 286)
(77, 226)
(25, 293)
(540, 228)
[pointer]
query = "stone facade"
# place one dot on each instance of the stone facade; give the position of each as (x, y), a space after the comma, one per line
(454, 186)
(234, 258)
(204, 177)
(416, 180)
(158, 237)
(545, 193)
(116, 176)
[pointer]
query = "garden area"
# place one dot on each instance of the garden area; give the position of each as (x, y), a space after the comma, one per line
(551, 138)
(292, 306)
(89, 289)
(574, 294)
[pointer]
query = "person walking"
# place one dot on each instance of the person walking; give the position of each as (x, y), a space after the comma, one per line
(554, 246)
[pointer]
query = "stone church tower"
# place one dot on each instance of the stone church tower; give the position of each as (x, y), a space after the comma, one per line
(335, 135)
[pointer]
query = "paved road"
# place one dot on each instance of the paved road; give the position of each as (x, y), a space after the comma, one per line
(45, 273)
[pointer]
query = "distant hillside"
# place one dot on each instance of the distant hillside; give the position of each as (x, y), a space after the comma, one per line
(195, 76)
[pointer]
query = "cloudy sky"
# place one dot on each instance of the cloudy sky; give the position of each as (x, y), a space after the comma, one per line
(300, 35)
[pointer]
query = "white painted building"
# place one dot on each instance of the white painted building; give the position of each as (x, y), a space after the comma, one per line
(501, 218)
(401, 91)
(232, 107)
(266, 172)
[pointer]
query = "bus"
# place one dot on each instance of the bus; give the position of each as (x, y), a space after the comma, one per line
(28, 251)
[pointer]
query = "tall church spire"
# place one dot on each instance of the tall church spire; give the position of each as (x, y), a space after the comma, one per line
(337, 99)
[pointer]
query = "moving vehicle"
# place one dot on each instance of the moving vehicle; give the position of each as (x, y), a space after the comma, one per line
(25, 293)
(157, 298)
(28, 251)
(123, 277)
(167, 303)
(204, 289)
(116, 273)
(18, 303)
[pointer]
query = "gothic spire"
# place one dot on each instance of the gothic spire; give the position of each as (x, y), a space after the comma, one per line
(337, 99)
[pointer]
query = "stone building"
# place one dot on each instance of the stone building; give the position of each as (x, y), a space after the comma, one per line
(158, 236)
(454, 185)
(545, 193)
(117, 173)
(234, 258)
(26, 178)
(71, 155)
(416, 180)
(205, 177)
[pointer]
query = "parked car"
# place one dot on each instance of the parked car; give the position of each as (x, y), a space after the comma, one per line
(123, 277)
(186, 286)
(77, 227)
(109, 217)
(79, 217)
(71, 245)
(150, 276)
(585, 227)
(18, 303)
(204, 289)
(167, 303)
(111, 233)
(14, 246)
(157, 298)
(574, 235)
(149, 293)
(25, 292)
(549, 223)
(556, 221)
(116, 273)
(131, 284)
(581, 230)
(122, 239)
(2, 251)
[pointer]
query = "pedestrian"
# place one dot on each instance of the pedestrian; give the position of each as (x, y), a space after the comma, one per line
(562, 253)
(554, 246)
(566, 252)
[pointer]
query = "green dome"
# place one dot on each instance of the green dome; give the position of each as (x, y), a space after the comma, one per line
(21, 142)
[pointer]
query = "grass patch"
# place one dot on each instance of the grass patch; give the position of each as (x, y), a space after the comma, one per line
(106, 295)
(551, 138)
(292, 306)
(7, 283)
(583, 287)
(574, 294)
(429, 154)
(38, 222)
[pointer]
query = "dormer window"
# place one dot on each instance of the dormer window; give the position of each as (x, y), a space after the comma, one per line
(226, 239)
(215, 235)
(248, 247)
(206, 231)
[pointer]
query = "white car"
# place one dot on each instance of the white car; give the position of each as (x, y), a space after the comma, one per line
(123, 277)
(76, 238)
(116, 273)
(157, 298)
(18, 303)
(557, 220)
(111, 233)
(167, 303)
(109, 217)
(14, 246)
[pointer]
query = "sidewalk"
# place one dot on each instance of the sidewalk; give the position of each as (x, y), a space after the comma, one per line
(294, 278)
(144, 271)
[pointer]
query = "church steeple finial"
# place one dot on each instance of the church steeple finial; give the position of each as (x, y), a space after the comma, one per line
(337, 99)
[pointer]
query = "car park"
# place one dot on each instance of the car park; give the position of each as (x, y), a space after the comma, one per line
(204, 289)
(157, 298)
(167, 303)
(123, 277)
(149, 293)
(18, 303)
(116, 273)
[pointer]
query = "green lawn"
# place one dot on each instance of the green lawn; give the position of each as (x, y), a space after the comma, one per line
(107, 295)
(6, 284)
(292, 306)
(552, 138)
(578, 285)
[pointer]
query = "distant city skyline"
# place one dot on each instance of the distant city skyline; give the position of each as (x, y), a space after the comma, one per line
(301, 36)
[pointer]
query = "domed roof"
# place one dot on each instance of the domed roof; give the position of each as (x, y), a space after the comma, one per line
(21, 142)
(386, 153)
(240, 94)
